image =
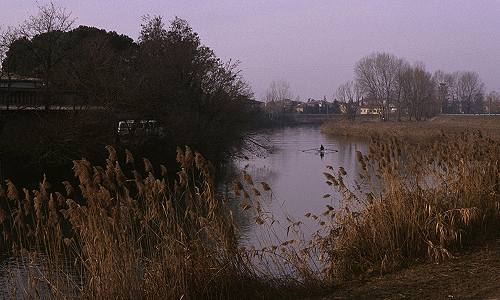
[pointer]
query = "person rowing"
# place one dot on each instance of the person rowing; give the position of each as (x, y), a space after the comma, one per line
(321, 149)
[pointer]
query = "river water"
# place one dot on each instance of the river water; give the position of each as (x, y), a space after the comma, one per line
(295, 175)
(290, 168)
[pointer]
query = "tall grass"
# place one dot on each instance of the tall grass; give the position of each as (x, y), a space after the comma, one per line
(143, 236)
(413, 203)
(135, 231)
(416, 132)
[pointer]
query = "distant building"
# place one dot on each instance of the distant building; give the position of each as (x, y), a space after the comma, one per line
(313, 106)
(20, 92)
(254, 104)
(343, 107)
(282, 106)
(370, 111)
(25, 93)
(300, 108)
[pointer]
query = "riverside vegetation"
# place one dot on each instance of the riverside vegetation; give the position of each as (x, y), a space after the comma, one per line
(167, 75)
(416, 132)
(135, 231)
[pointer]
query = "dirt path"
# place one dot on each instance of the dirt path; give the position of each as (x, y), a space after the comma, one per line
(472, 276)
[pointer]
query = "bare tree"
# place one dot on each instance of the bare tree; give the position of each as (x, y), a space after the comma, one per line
(470, 89)
(445, 93)
(50, 18)
(417, 88)
(350, 93)
(46, 28)
(7, 37)
(493, 102)
(275, 97)
(400, 103)
(377, 75)
(277, 91)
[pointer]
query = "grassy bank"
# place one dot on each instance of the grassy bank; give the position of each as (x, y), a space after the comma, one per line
(136, 231)
(416, 131)
(416, 202)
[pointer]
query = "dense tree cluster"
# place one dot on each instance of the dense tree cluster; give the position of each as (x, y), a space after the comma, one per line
(398, 89)
(167, 75)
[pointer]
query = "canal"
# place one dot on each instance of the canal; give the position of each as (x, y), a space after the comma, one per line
(293, 168)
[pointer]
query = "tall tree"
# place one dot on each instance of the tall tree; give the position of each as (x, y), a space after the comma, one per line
(41, 45)
(420, 99)
(445, 84)
(7, 37)
(275, 96)
(350, 93)
(493, 102)
(377, 75)
(182, 83)
(278, 90)
(470, 89)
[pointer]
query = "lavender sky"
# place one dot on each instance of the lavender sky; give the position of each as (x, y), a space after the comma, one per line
(312, 44)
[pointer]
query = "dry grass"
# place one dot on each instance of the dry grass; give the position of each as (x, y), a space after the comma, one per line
(410, 203)
(424, 131)
(414, 202)
(135, 236)
(135, 232)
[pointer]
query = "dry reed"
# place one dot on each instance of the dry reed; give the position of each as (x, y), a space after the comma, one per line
(416, 132)
(414, 202)
(143, 237)
(135, 234)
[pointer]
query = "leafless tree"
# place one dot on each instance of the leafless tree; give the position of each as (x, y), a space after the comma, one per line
(377, 75)
(399, 101)
(470, 89)
(275, 97)
(350, 93)
(47, 25)
(445, 93)
(7, 37)
(278, 90)
(50, 18)
(420, 93)
(493, 102)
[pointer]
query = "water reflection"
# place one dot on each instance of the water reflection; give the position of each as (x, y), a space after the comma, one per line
(296, 176)
(34, 276)
(297, 182)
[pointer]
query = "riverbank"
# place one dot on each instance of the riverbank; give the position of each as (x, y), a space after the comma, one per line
(139, 231)
(473, 275)
(416, 131)
(470, 272)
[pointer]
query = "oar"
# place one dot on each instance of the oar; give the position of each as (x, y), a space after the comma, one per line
(309, 149)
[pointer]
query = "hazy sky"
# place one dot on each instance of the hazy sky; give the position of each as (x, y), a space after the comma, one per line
(312, 44)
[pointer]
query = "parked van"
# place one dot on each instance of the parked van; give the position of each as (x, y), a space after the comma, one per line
(138, 127)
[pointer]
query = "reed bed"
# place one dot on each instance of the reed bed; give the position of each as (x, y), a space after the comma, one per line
(416, 132)
(414, 203)
(135, 231)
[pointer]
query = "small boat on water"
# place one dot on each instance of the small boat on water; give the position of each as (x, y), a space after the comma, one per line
(320, 151)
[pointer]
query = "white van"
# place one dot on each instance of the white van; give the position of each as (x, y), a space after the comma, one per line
(127, 127)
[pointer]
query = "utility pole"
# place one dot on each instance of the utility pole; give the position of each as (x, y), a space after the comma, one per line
(490, 98)
(325, 103)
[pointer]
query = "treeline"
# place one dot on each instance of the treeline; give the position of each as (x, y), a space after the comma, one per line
(395, 88)
(167, 75)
